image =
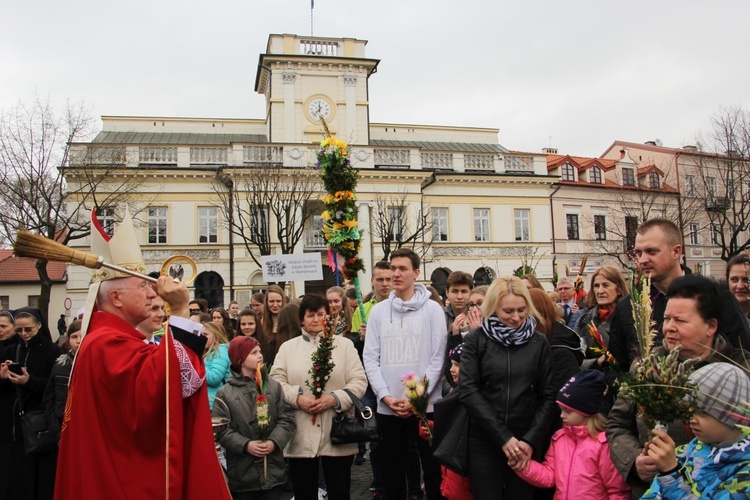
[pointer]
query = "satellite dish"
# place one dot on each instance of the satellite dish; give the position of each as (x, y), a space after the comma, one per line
(658, 142)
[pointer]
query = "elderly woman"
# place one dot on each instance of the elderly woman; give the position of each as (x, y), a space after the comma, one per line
(30, 474)
(695, 319)
(607, 287)
(311, 444)
(508, 389)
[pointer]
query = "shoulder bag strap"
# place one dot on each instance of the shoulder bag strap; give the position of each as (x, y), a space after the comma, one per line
(366, 411)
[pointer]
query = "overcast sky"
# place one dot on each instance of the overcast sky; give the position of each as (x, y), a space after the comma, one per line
(573, 74)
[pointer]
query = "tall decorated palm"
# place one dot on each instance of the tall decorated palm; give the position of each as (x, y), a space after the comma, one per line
(340, 226)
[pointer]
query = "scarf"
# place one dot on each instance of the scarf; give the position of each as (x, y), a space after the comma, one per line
(505, 336)
(606, 311)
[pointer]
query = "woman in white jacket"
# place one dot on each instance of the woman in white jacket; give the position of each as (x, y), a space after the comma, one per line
(311, 443)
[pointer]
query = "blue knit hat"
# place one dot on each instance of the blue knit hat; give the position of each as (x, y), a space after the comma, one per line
(583, 393)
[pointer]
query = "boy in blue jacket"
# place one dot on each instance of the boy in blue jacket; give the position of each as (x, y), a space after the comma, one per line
(716, 463)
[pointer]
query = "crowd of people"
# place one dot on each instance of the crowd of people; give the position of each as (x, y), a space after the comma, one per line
(536, 371)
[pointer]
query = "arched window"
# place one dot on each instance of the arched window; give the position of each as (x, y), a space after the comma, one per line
(568, 172)
(209, 285)
(595, 175)
(653, 180)
(439, 279)
(484, 276)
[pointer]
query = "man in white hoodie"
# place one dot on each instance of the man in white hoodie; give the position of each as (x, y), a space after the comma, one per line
(405, 333)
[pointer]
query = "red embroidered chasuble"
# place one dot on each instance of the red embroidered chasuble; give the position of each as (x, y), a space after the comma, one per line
(127, 430)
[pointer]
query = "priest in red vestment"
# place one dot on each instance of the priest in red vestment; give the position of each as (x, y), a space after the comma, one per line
(137, 423)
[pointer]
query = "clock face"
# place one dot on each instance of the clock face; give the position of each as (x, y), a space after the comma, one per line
(319, 108)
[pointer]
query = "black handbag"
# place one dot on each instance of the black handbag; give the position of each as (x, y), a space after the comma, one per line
(34, 425)
(358, 429)
(451, 433)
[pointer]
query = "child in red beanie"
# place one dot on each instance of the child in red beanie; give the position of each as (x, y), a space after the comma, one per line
(577, 463)
(255, 463)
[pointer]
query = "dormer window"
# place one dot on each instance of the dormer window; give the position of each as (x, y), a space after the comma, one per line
(653, 180)
(568, 172)
(628, 177)
(595, 175)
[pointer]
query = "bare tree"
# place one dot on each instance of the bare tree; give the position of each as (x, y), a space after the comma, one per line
(629, 206)
(627, 209)
(267, 205)
(723, 163)
(391, 224)
(35, 157)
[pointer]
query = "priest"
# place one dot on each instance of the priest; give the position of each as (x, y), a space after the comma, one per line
(137, 421)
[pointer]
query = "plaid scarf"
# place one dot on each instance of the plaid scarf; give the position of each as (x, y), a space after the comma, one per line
(505, 336)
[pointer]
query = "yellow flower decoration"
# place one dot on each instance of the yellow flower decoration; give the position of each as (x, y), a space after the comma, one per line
(350, 223)
(325, 142)
(338, 226)
(325, 215)
(340, 144)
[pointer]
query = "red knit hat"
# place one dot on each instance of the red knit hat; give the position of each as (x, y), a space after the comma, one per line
(239, 348)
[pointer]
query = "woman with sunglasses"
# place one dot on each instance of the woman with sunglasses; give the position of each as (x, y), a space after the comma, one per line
(30, 475)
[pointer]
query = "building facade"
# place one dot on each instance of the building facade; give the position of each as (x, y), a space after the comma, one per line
(463, 201)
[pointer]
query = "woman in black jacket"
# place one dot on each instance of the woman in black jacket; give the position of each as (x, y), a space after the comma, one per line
(32, 475)
(8, 338)
(507, 385)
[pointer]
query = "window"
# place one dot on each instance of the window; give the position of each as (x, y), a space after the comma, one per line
(440, 224)
(5, 302)
(571, 221)
(208, 225)
(568, 172)
(523, 224)
(653, 180)
(628, 177)
(157, 225)
(631, 227)
(595, 175)
(106, 216)
(715, 234)
(694, 240)
(315, 236)
(690, 189)
(396, 222)
(711, 188)
(259, 224)
(481, 224)
(600, 227)
(34, 301)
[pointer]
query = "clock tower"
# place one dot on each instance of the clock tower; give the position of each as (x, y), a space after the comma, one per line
(306, 78)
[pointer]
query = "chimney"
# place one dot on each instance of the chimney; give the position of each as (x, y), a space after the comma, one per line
(549, 151)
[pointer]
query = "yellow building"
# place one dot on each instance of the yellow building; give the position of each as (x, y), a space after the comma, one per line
(481, 208)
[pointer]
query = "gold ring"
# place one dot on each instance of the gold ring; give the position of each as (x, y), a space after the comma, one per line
(517, 450)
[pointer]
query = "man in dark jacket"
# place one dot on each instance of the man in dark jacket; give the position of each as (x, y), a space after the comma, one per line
(658, 249)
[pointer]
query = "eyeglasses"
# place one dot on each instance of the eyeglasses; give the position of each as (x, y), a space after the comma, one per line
(195, 311)
(477, 304)
(27, 329)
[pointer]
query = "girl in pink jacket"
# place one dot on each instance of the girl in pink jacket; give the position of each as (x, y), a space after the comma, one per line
(577, 463)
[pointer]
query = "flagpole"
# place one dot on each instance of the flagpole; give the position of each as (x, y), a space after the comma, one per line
(312, 8)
